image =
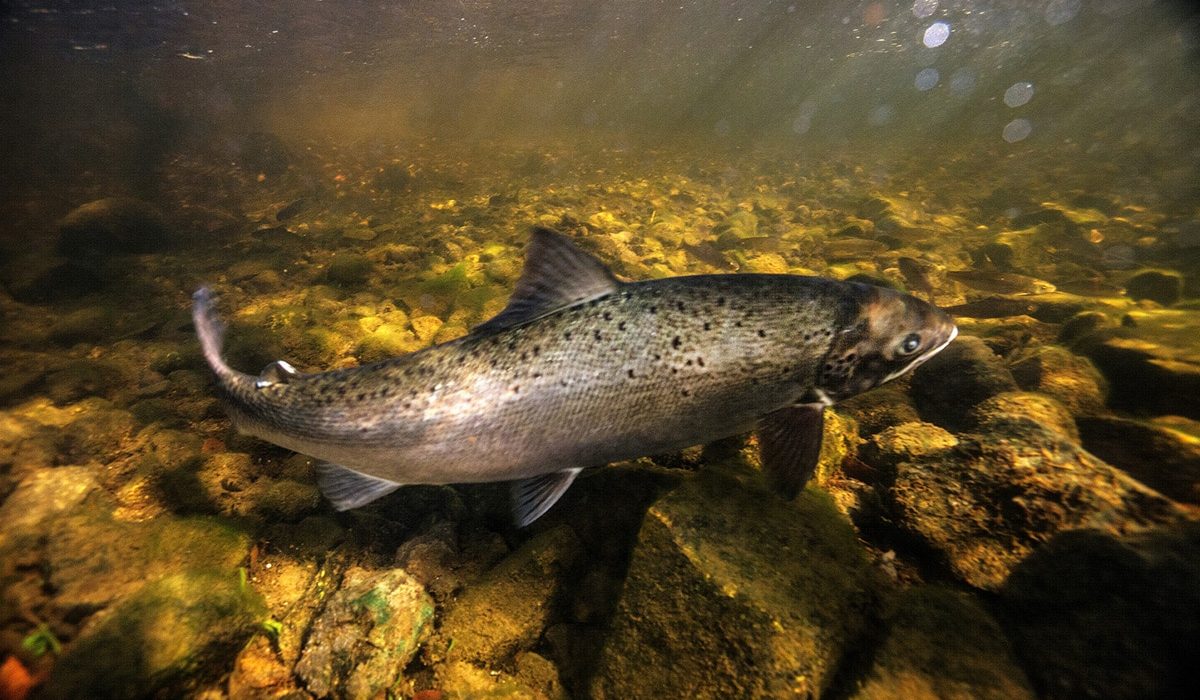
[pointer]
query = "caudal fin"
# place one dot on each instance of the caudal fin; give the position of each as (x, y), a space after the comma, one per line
(210, 331)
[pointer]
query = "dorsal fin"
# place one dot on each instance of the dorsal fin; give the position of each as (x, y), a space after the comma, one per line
(557, 273)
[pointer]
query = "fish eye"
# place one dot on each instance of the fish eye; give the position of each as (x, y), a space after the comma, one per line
(909, 345)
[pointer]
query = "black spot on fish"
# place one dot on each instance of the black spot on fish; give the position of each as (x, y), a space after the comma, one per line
(679, 305)
(516, 388)
(607, 316)
(567, 335)
(524, 356)
(537, 350)
(657, 356)
(707, 326)
(685, 392)
(537, 375)
(762, 333)
(621, 326)
(653, 309)
(688, 363)
(676, 342)
(597, 336)
(720, 301)
(512, 345)
(630, 373)
(700, 361)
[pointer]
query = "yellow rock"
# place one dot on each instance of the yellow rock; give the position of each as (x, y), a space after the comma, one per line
(426, 326)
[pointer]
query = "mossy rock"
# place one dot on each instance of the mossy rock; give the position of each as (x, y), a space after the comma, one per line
(505, 611)
(168, 638)
(1024, 406)
(349, 269)
(1060, 373)
(365, 635)
(112, 225)
(94, 559)
(732, 592)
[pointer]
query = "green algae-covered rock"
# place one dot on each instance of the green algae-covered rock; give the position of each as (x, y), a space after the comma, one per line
(505, 611)
(94, 559)
(367, 633)
(161, 640)
(735, 593)
(941, 644)
(349, 269)
(993, 499)
(39, 498)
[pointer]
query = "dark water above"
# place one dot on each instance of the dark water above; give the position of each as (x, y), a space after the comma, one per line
(358, 180)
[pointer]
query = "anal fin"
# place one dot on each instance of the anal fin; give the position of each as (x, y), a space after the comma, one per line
(534, 496)
(346, 488)
(789, 442)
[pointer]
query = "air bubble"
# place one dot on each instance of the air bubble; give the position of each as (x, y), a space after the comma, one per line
(936, 34)
(927, 79)
(1017, 130)
(1018, 94)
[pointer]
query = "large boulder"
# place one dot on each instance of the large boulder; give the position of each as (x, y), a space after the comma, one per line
(109, 226)
(1163, 453)
(171, 635)
(505, 611)
(955, 380)
(732, 592)
(1152, 363)
(991, 500)
(941, 644)
(1093, 616)
(1055, 371)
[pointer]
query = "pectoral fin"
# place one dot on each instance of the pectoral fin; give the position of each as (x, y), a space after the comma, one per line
(346, 488)
(789, 442)
(533, 497)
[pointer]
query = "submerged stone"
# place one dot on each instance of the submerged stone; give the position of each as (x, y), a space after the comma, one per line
(165, 639)
(93, 559)
(1162, 286)
(1060, 373)
(1163, 454)
(993, 499)
(506, 610)
(367, 633)
(941, 644)
(1094, 616)
(735, 593)
(958, 378)
(109, 226)
(1024, 407)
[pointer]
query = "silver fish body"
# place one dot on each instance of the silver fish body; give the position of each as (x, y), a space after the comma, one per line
(621, 370)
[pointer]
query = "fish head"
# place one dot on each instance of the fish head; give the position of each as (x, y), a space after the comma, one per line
(887, 334)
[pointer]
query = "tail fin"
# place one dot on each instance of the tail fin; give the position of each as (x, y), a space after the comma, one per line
(210, 331)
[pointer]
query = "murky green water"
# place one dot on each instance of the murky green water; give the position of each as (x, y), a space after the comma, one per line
(357, 181)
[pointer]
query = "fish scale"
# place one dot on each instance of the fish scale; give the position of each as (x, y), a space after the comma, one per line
(619, 370)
